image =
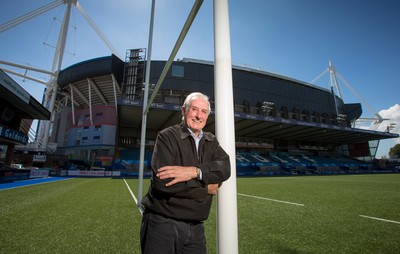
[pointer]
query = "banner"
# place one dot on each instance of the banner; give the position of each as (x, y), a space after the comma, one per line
(39, 173)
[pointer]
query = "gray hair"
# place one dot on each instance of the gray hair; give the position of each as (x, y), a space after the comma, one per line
(188, 101)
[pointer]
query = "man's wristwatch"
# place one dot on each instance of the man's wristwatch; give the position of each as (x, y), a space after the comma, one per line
(198, 172)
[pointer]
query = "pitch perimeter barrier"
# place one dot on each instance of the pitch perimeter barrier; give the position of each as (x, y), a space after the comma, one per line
(93, 173)
(12, 174)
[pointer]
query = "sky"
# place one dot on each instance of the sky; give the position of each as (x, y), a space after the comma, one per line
(294, 38)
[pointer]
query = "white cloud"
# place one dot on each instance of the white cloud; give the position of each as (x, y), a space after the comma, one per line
(393, 114)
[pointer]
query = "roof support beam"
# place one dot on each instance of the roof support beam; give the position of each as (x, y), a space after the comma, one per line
(32, 14)
(72, 104)
(79, 94)
(30, 68)
(115, 87)
(24, 76)
(98, 92)
(90, 102)
(68, 96)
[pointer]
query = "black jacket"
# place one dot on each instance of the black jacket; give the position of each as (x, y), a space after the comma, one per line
(187, 200)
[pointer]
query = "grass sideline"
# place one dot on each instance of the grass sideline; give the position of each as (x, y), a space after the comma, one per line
(303, 214)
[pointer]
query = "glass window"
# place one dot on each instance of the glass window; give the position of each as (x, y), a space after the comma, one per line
(172, 100)
(78, 133)
(178, 71)
(80, 120)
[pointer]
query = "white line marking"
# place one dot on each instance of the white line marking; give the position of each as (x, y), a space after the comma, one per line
(133, 196)
(374, 218)
(270, 199)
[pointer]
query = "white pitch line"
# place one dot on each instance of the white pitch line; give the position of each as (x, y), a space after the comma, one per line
(374, 218)
(270, 199)
(133, 195)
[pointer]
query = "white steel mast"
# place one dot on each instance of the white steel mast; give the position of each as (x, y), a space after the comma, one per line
(52, 87)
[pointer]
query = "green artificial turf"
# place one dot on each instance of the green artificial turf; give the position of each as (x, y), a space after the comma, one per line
(329, 219)
(303, 214)
(72, 216)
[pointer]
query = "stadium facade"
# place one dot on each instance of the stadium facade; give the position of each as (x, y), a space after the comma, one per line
(282, 125)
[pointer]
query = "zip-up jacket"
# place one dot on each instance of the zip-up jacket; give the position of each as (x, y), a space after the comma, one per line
(187, 201)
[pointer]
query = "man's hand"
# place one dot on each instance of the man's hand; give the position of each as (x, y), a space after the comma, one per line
(177, 173)
(212, 189)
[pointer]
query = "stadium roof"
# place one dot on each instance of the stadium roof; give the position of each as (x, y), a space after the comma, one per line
(257, 71)
(24, 104)
(96, 67)
(253, 126)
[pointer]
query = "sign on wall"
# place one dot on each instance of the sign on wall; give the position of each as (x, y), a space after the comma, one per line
(13, 136)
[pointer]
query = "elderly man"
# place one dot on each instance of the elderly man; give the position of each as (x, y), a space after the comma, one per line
(188, 166)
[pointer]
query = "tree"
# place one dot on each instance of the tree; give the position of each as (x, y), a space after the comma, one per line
(395, 151)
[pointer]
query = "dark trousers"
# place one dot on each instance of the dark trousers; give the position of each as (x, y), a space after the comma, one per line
(161, 235)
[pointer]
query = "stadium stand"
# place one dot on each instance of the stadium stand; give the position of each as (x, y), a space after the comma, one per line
(282, 126)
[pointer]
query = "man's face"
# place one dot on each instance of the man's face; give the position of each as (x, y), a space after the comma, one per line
(197, 114)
